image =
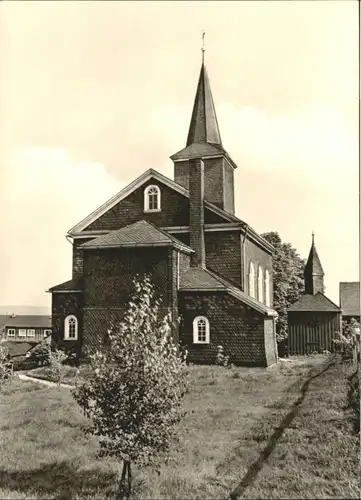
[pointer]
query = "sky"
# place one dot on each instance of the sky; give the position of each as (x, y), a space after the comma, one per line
(92, 94)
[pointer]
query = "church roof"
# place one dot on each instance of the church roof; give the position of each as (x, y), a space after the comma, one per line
(317, 302)
(313, 265)
(73, 285)
(204, 138)
(200, 280)
(204, 124)
(350, 298)
(138, 234)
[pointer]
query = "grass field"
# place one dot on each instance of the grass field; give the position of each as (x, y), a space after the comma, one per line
(232, 414)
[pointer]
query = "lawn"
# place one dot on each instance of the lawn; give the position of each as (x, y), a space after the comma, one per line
(232, 413)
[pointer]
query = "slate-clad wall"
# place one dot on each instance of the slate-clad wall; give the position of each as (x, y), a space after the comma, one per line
(63, 305)
(218, 181)
(235, 326)
(223, 254)
(108, 284)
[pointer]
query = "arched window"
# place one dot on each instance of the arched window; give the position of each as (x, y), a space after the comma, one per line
(267, 289)
(260, 284)
(251, 280)
(200, 330)
(70, 328)
(152, 199)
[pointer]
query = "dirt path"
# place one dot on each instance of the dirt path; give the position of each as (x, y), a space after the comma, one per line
(22, 376)
(257, 465)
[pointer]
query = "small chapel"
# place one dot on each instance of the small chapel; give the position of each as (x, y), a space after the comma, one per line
(314, 320)
(209, 268)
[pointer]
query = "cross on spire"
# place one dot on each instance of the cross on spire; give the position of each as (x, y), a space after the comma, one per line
(203, 49)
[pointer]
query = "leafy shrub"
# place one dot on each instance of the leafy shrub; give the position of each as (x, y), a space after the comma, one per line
(134, 397)
(221, 358)
(23, 363)
(40, 353)
(56, 359)
(354, 397)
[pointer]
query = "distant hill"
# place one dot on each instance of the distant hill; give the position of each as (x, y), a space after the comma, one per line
(26, 310)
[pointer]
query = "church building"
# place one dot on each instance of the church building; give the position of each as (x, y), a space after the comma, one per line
(209, 268)
(314, 320)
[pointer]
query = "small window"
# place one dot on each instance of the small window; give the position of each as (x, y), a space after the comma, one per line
(22, 332)
(251, 290)
(71, 328)
(267, 289)
(200, 330)
(11, 332)
(260, 284)
(47, 333)
(152, 199)
(31, 332)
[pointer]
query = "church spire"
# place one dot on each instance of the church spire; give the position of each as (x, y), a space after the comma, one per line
(313, 271)
(204, 125)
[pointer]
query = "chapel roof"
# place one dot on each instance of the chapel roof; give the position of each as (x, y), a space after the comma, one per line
(314, 302)
(313, 266)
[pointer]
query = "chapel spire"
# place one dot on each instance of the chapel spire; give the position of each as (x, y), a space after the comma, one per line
(313, 271)
(204, 125)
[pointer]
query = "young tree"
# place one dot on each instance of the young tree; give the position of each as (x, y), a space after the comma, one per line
(56, 359)
(134, 396)
(288, 280)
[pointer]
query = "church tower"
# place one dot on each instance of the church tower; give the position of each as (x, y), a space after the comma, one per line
(313, 272)
(204, 142)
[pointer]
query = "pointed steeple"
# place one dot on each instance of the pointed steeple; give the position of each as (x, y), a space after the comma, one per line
(313, 271)
(204, 125)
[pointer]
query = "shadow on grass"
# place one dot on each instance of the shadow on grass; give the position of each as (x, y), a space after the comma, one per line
(59, 480)
(256, 466)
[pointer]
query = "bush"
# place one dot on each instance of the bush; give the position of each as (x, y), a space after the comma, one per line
(40, 353)
(354, 397)
(22, 363)
(221, 358)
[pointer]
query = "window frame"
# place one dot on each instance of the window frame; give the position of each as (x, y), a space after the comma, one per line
(260, 286)
(251, 280)
(146, 198)
(13, 330)
(30, 333)
(22, 332)
(267, 288)
(66, 327)
(196, 330)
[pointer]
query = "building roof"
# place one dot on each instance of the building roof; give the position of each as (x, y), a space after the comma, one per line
(196, 279)
(138, 234)
(201, 280)
(317, 302)
(204, 124)
(313, 266)
(350, 298)
(26, 321)
(17, 348)
(73, 285)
